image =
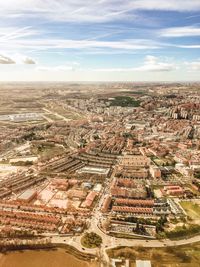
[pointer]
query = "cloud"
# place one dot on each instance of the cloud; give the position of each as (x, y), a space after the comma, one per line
(113, 69)
(90, 10)
(15, 33)
(193, 66)
(193, 16)
(188, 46)
(50, 43)
(180, 31)
(16, 59)
(23, 59)
(151, 64)
(70, 11)
(6, 60)
(167, 5)
(56, 68)
(70, 66)
(29, 61)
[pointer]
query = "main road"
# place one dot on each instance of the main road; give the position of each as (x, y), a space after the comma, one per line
(112, 242)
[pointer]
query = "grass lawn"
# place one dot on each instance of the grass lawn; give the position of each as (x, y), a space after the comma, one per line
(91, 240)
(192, 209)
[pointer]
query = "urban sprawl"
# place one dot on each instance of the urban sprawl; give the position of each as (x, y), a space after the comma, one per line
(118, 159)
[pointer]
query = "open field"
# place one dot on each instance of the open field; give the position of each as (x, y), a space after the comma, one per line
(42, 258)
(47, 152)
(192, 209)
(163, 161)
(181, 256)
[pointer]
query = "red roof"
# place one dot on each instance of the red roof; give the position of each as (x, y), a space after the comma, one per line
(135, 202)
(132, 209)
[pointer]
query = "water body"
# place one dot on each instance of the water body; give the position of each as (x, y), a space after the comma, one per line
(42, 258)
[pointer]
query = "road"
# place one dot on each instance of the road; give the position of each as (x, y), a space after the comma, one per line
(56, 114)
(110, 242)
(47, 118)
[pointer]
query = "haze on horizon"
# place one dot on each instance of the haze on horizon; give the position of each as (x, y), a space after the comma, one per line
(105, 40)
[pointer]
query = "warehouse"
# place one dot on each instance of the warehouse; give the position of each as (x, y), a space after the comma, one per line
(27, 196)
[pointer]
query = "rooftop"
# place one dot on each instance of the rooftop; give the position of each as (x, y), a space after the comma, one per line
(27, 194)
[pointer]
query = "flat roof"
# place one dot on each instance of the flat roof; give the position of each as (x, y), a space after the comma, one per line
(94, 170)
(140, 263)
(27, 194)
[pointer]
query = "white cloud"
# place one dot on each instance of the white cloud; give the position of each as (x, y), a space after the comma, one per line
(193, 66)
(48, 43)
(189, 46)
(151, 64)
(74, 11)
(29, 61)
(6, 60)
(70, 66)
(90, 10)
(169, 5)
(16, 59)
(56, 68)
(180, 31)
(113, 69)
(7, 34)
(23, 59)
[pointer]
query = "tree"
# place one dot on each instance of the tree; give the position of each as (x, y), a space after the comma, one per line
(91, 240)
(160, 223)
(137, 228)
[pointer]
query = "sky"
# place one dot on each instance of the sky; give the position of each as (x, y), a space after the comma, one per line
(100, 40)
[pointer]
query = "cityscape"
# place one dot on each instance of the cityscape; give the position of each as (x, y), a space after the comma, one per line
(120, 161)
(100, 133)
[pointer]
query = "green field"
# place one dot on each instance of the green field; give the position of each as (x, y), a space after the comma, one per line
(192, 209)
(125, 101)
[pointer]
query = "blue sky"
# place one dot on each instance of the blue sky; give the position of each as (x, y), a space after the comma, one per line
(105, 40)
